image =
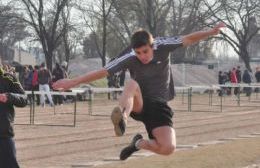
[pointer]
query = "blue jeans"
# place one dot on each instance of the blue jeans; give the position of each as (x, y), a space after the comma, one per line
(8, 153)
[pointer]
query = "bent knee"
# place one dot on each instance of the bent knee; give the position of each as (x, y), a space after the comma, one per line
(167, 149)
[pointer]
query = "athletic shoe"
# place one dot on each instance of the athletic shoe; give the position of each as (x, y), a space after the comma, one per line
(118, 121)
(131, 148)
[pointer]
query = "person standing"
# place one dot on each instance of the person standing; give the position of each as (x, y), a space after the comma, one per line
(57, 74)
(44, 79)
(248, 80)
(257, 77)
(221, 81)
(233, 80)
(11, 94)
(35, 83)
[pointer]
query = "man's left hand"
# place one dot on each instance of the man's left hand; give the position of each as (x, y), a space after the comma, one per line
(216, 29)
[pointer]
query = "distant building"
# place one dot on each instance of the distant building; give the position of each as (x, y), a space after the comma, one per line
(24, 57)
(6, 53)
(10, 55)
(38, 54)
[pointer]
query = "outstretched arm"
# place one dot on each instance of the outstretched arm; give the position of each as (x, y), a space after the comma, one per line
(66, 84)
(201, 35)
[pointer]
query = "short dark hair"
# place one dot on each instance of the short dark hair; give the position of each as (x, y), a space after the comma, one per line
(141, 38)
(36, 67)
(43, 65)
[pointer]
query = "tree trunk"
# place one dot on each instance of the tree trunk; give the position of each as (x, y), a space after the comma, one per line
(104, 34)
(48, 58)
(245, 57)
(150, 17)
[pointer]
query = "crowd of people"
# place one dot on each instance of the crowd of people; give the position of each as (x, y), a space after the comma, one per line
(8, 68)
(39, 78)
(116, 80)
(235, 76)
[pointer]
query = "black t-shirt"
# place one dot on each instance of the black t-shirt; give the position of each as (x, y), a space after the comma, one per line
(155, 78)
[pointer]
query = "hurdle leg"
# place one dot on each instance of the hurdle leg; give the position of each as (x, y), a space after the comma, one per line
(75, 111)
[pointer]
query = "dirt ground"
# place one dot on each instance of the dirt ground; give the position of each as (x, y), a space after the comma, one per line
(93, 140)
(238, 153)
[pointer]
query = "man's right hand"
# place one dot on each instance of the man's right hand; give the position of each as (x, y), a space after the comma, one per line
(64, 84)
(3, 98)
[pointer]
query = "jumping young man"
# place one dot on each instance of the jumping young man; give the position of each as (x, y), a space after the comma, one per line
(11, 94)
(145, 96)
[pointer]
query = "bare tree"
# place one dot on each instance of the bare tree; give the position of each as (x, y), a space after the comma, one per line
(97, 20)
(45, 19)
(162, 18)
(147, 14)
(70, 34)
(12, 29)
(184, 19)
(238, 16)
(90, 47)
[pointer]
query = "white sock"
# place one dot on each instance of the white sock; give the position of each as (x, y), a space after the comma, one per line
(137, 143)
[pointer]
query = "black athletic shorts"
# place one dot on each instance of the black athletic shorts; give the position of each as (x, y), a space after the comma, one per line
(154, 114)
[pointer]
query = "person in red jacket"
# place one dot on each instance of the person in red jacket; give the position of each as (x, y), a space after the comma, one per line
(233, 76)
(35, 83)
(233, 80)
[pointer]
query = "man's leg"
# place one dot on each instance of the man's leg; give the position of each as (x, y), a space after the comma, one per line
(47, 89)
(36, 88)
(130, 100)
(8, 153)
(164, 142)
(42, 98)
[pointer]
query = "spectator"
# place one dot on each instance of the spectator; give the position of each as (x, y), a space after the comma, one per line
(44, 79)
(28, 76)
(248, 80)
(122, 78)
(227, 81)
(113, 82)
(11, 94)
(238, 74)
(226, 77)
(6, 68)
(233, 79)
(221, 78)
(257, 77)
(233, 76)
(57, 74)
(35, 83)
(64, 66)
(221, 81)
